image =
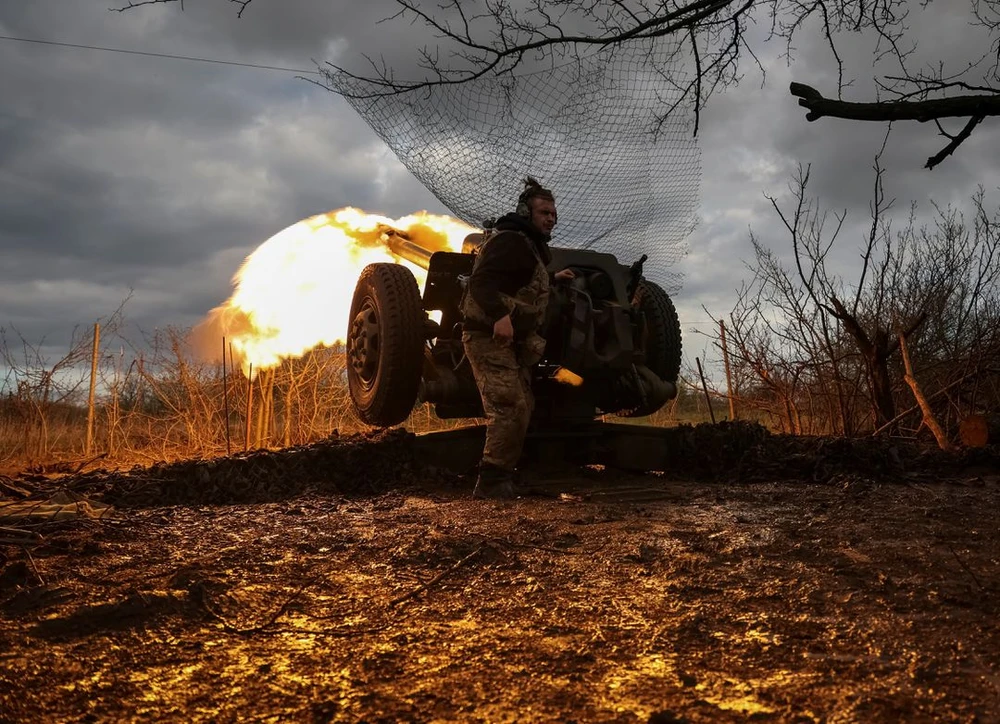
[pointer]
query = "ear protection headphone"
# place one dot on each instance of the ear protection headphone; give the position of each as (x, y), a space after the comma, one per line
(522, 207)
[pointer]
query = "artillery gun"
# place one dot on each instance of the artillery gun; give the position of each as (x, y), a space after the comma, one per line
(613, 345)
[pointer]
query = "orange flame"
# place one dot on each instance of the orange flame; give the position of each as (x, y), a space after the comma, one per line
(294, 292)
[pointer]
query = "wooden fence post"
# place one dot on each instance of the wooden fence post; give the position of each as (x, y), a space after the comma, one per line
(704, 386)
(93, 387)
(729, 376)
(246, 441)
(225, 397)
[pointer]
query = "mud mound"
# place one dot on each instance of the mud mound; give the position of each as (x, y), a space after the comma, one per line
(737, 452)
(827, 460)
(712, 451)
(361, 463)
(747, 452)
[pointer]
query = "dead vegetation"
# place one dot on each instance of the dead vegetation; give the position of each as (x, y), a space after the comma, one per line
(158, 401)
(811, 351)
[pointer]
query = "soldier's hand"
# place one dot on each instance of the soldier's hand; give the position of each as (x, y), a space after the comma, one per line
(565, 274)
(503, 330)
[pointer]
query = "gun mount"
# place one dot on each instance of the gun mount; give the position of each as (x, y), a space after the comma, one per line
(613, 339)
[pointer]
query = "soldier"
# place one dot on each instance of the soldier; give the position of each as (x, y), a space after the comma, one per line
(503, 310)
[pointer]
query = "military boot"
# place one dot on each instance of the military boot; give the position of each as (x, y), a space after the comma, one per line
(494, 482)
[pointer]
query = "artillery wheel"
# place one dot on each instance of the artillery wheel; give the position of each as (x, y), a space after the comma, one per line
(662, 338)
(385, 344)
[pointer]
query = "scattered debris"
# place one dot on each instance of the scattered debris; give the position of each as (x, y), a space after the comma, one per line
(59, 507)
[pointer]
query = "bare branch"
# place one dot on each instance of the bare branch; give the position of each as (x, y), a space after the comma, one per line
(698, 76)
(923, 111)
(499, 36)
(241, 4)
(956, 141)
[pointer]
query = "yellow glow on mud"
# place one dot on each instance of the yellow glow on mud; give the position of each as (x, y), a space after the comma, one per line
(627, 687)
(294, 292)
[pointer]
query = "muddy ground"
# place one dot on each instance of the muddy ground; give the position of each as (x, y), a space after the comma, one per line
(352, 581)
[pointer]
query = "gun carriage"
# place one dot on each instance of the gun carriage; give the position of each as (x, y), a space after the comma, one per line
(613, 344)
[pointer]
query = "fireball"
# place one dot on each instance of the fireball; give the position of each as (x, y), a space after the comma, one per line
(293, 293)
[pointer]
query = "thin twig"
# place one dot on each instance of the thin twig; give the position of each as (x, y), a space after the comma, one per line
(967, 569)
(530, 546)
(31, 560)
(231, 628)
(344, 632)
(447, 571)
(8, 486)
(955, 141)
(84, 463)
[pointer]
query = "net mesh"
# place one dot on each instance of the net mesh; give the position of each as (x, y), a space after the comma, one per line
(626, 178)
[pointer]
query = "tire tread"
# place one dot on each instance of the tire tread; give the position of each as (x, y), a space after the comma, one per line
(401, 315)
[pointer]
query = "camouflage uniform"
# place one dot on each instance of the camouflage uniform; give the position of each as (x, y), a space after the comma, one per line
(503, 371)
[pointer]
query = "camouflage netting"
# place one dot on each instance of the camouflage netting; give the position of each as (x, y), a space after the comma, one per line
(626, 180)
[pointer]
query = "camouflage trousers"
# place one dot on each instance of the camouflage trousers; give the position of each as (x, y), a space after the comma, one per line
(505, 387)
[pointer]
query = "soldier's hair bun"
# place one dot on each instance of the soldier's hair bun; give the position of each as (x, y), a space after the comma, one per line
(534, 190)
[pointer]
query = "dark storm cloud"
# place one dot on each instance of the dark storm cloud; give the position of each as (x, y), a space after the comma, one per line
(292, 30)
(121, 172)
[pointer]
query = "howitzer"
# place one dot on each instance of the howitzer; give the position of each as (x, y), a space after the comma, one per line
(613, 339)
(400, 244)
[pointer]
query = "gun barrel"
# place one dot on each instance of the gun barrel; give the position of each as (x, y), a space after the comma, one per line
(401, 245)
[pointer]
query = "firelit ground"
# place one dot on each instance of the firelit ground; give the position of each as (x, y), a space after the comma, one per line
(597, 597)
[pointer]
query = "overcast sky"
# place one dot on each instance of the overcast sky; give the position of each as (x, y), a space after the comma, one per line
(120, 172)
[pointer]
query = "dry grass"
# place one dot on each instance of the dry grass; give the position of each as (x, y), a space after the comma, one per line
(165, 404)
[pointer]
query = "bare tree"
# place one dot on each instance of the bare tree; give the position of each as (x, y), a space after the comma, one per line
(479, 38)
(902, 277)
(809, 336)
(788, 363)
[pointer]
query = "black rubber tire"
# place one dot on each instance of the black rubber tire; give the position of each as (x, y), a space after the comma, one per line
(662, 338)
(663, 330)
(385, 341)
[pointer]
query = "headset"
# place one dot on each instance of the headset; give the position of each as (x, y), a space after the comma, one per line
(532, 191)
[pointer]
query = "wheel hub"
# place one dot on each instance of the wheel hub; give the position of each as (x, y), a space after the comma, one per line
(363, 344)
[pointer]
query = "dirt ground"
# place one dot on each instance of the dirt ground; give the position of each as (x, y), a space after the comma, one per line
(354, 582)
